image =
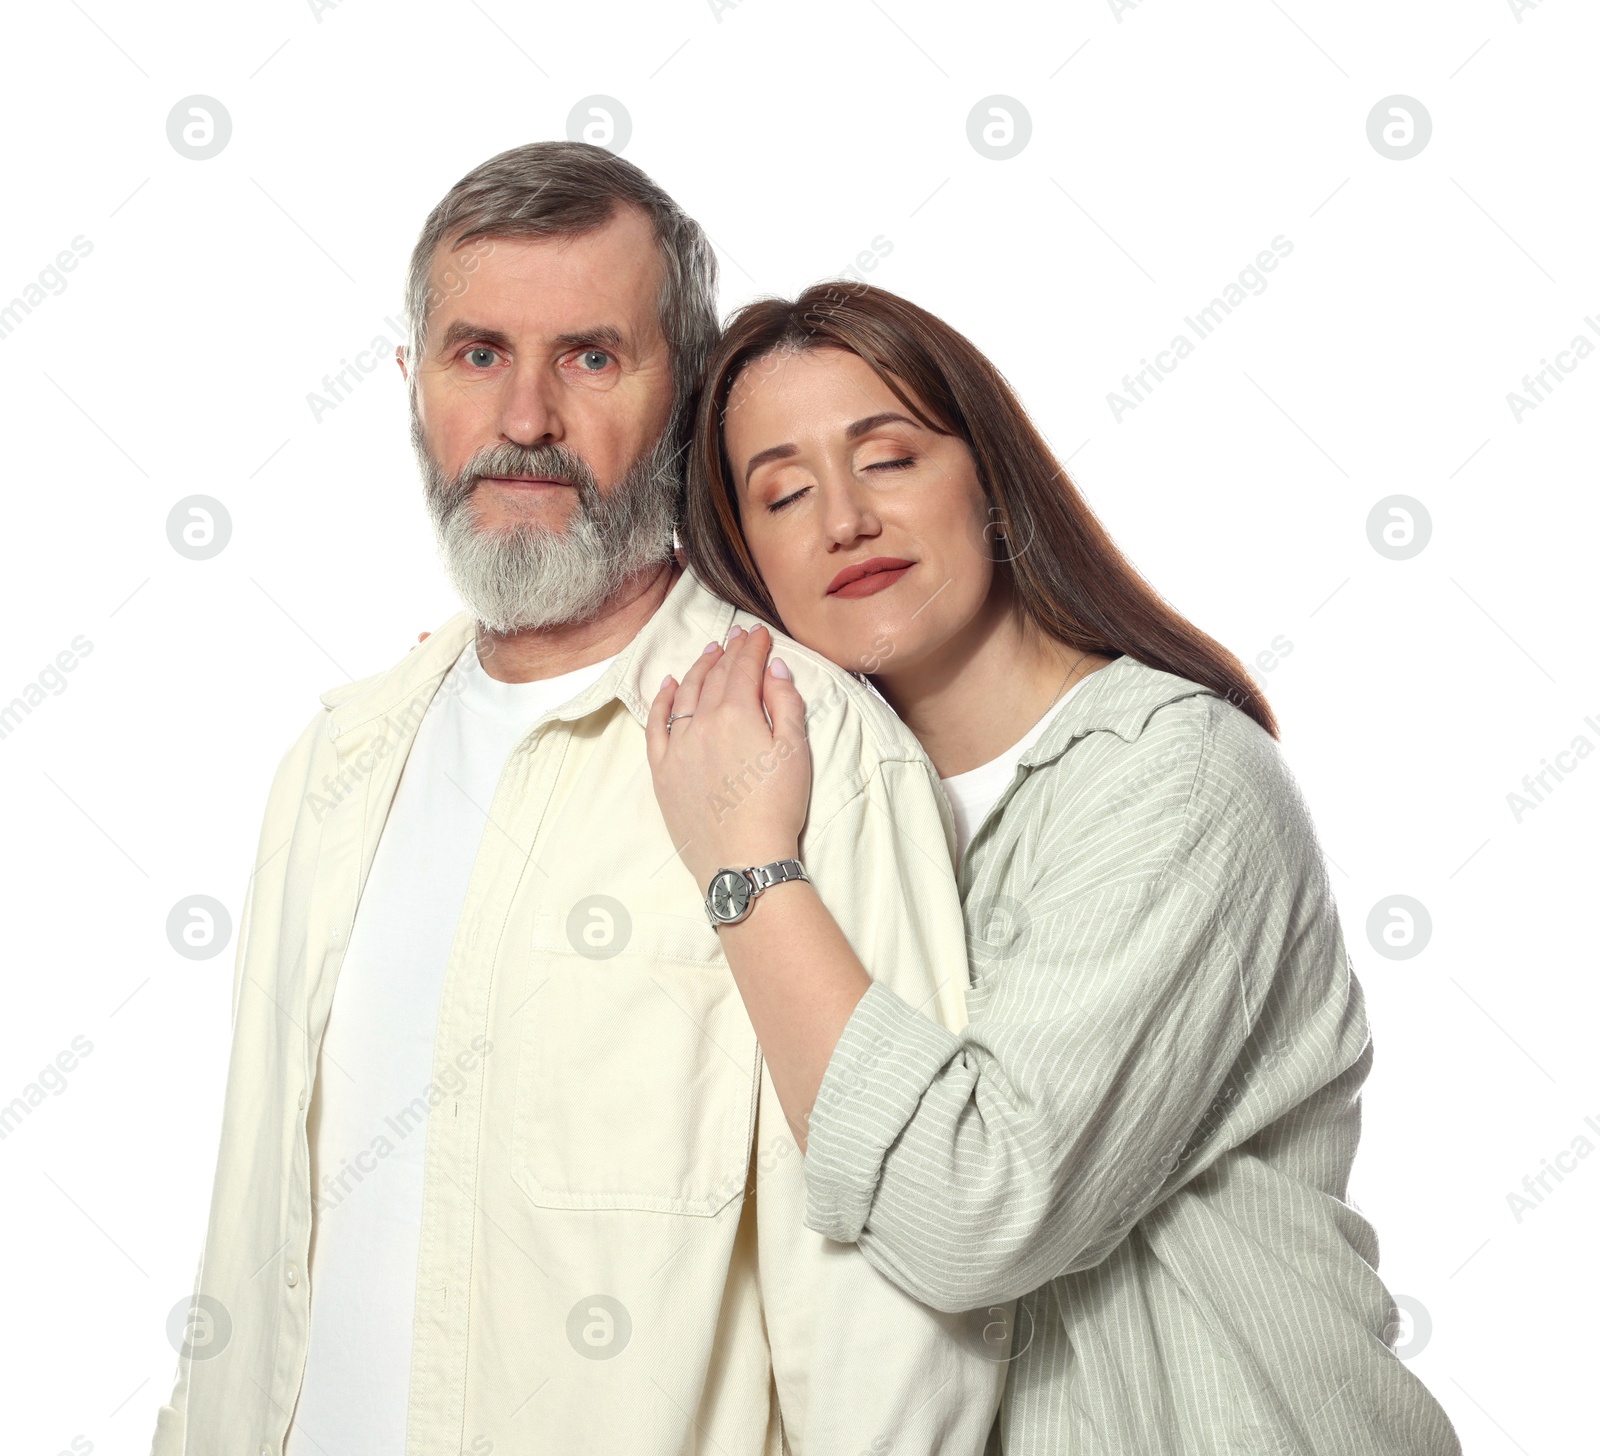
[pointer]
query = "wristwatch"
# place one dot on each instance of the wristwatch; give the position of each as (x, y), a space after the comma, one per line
(732, 893)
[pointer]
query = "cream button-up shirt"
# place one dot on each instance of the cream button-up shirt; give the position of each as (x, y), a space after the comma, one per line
(613, 1252)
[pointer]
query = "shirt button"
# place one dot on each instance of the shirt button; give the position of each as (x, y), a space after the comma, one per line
(264, 1451)
(302, 1100)
(291, 1276)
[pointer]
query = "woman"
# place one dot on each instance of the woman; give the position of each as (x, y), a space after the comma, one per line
(1145, 1131)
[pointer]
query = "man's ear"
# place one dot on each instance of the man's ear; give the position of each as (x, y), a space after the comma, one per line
(400, 359)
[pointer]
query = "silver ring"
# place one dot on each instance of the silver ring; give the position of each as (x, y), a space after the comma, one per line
(673, 718)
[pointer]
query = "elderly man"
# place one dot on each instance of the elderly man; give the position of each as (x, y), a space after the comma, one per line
(501, 1169)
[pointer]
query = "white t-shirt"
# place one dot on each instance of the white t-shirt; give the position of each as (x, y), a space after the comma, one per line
(974, 793)
(377, 1059)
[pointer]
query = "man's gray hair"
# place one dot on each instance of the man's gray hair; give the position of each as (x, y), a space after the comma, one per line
(560, 189)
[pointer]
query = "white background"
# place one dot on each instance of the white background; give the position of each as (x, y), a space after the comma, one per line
(1170, 144)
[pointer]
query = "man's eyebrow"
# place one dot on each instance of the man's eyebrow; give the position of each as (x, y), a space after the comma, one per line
(460, 330)
(607, 335)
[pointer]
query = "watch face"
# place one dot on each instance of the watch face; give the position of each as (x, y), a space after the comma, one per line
(730, 895)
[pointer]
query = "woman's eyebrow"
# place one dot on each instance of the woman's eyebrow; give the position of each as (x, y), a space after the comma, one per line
(862, 427)
(772, 452)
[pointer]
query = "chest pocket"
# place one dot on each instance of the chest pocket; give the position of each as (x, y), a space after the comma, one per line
(638, 1070)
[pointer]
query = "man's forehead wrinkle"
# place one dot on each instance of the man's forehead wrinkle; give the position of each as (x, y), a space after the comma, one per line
(568, 253)
(541, 292)
(542, 305)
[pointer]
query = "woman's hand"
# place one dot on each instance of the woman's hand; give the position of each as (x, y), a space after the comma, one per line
(733, 791)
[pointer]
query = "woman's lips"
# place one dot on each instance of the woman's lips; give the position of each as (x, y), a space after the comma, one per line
(865, 586)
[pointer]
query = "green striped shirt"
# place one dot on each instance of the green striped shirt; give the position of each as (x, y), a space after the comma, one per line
(1145, 1132)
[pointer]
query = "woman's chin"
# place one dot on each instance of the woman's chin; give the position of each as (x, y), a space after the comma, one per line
(868, 647)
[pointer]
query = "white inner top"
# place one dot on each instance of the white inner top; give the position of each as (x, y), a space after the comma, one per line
(367, 1123)
(974, 793)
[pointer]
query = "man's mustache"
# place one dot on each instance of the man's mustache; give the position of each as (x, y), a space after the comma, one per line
(555, 462)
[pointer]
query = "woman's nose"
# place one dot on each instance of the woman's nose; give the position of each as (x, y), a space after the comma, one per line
(847, 512)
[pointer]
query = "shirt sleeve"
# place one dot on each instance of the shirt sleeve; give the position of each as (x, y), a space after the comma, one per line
(859, 1364)
(171, 1418)
(1109, 1011)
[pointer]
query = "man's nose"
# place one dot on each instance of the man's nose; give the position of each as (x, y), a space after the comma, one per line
(528, 407)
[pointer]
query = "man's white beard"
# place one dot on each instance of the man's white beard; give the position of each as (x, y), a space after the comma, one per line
(525, 575)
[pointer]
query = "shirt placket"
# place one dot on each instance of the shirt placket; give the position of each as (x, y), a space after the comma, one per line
(344, 855)
(506, 858)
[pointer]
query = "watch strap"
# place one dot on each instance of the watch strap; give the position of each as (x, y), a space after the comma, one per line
(763, 877)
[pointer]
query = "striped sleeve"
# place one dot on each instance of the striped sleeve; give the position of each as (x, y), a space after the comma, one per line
(1105, 1025)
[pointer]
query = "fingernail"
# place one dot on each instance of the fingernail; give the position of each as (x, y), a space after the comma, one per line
(780, 668)
(711, 647)
(736, 630)
(665, 681)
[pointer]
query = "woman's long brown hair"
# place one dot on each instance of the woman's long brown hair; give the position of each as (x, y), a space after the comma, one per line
(1069, 579)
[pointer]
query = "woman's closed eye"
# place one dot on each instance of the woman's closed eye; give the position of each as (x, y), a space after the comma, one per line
(898, 463)
(787, 500)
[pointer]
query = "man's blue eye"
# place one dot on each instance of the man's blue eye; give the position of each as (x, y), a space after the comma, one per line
(481, 363)
(594, 359)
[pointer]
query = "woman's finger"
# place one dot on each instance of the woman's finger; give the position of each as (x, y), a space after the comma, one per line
(715, 685)
(747, 668)
(784, 704)
(741, 682)
(693, 681)
(655, 723)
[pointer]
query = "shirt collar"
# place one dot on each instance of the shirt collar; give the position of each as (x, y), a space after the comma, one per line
(1118, 698)
(688, 617)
